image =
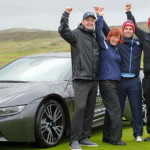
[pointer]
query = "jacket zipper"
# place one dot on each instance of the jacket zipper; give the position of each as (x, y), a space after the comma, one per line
(131, 56)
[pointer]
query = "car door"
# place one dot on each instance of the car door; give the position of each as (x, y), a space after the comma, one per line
(99, 110)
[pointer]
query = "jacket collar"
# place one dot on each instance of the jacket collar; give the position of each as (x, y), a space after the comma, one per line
(82, 28)
(112, 45)
(125, 39)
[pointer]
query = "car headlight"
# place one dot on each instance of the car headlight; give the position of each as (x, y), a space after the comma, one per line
(11, 110)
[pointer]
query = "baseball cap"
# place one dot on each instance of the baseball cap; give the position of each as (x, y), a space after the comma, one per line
(88, 14)
(128, 23)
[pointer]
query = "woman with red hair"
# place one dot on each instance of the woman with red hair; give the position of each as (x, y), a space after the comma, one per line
(109, 79)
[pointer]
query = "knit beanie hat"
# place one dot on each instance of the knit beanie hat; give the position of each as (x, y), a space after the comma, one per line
(128, 23)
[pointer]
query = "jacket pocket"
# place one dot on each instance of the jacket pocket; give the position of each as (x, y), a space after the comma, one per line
(79, 64)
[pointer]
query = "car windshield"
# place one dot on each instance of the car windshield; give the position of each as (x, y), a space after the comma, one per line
(36, 69)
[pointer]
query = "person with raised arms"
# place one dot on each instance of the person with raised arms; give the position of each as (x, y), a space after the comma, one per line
(145, 38)
(85, 75)
(109, 80)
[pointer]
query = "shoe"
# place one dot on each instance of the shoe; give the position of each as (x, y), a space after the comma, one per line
(138, 139)
(87, 142)
(120, 142)
(75, 145)
(147, 139)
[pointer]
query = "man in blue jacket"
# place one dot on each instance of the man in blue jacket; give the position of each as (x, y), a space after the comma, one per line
(145, 38)
(130, 85)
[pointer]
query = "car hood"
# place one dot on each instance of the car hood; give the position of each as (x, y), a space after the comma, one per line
(10, 91)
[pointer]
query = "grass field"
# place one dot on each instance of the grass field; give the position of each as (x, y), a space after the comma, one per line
(15, 49)
(96, 137)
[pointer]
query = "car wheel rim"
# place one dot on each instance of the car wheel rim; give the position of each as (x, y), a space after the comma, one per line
(52, 126)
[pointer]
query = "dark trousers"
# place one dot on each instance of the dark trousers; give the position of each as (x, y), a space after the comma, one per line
(85, 92)
(146, 90)
(112, 128)
(132, 89)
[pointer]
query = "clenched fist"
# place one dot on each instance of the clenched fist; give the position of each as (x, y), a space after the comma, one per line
(128, 6)
(68, 9)
(99, 10)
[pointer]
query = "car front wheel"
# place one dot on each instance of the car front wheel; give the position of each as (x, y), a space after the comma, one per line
(50, 124)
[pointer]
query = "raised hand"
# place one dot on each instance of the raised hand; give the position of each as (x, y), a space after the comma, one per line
(128, 6)
(99, 10)
(96, 9)
(68, 9)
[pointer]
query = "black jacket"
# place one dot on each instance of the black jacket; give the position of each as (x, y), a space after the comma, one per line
(145, 38)
(84, 50)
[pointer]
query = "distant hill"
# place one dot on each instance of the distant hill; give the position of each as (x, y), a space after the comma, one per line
(23, 34)
(18, 42)
(144, 26)
(13, 30)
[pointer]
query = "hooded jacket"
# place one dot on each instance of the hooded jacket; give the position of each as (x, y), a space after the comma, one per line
(145, 38)
(84, 50)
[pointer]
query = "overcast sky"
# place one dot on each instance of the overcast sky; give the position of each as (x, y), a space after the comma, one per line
(46, 14)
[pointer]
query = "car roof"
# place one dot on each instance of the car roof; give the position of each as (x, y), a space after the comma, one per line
(59, 54)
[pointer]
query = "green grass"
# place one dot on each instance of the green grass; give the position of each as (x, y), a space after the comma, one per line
(12, 50)
(96, 137)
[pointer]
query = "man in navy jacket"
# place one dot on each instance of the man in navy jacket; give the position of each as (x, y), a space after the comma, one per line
(145, 38)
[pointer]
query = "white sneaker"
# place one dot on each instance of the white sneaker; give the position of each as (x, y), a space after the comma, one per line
(138, 139)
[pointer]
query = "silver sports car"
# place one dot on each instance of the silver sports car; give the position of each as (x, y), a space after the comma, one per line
(37, 99)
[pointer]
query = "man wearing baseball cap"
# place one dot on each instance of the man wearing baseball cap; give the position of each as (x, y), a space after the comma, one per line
(88, 14)
(85, 75)
(130, 84)
(145, 38)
